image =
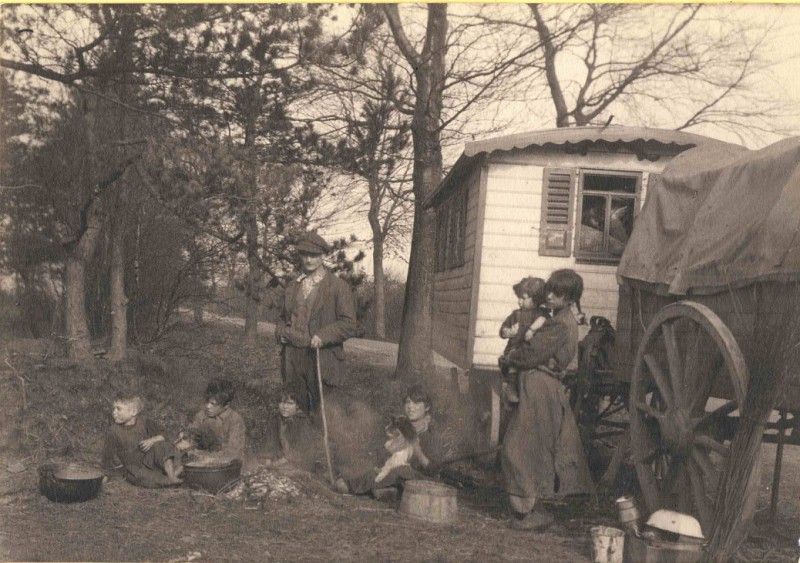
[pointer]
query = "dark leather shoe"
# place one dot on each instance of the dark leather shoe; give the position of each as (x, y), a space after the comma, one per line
(533, 521)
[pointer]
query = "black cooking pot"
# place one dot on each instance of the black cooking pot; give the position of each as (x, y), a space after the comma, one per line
(212, 478)
(70, 482)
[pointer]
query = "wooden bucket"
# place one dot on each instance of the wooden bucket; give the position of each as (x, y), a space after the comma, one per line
(429, 501)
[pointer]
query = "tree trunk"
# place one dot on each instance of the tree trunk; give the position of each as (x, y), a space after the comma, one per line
(92, 217)
(252, 111)
(119, 301)
(415, 355)
(379, 297)
(379, 290)
(550, 52)
(253, 279)
(76, 325)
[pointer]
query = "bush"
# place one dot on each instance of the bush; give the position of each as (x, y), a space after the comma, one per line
(395, 296)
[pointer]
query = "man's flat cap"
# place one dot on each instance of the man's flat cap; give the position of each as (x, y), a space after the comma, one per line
(312, 243)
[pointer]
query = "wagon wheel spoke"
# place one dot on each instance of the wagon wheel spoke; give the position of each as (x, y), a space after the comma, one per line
(674, 362)
(648, 410)
(717, 413)
(705, 464)
(650, 457)
(710, 443)
(685, 490)
(672, 472)
(659, 378)
(701, 397)
(701, 500)
(692, 360)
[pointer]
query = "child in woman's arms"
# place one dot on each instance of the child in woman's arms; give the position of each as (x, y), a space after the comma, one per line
(217, 433)
(139, 446)
(519, 328)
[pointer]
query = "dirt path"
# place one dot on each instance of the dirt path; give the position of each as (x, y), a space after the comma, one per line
(372, 352)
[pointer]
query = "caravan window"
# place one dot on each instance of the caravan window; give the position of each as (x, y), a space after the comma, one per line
(606, 211)
(451, 226)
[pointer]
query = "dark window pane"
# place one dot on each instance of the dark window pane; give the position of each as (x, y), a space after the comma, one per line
(604, 183)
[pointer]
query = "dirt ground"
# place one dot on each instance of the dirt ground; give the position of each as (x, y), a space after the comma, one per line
(60, 411)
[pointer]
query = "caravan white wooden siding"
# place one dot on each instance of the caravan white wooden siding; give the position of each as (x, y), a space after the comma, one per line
(452, 289)
(510, 241)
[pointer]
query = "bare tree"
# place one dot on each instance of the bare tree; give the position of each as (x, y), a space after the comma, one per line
(453, 71)
(682, 65)
(368, 137)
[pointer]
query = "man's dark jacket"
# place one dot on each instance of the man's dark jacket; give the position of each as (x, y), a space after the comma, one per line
(332, 318)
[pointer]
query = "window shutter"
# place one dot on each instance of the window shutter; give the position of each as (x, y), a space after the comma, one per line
(555, 228)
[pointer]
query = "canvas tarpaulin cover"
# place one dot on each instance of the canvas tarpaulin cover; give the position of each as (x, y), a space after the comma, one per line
(719, 219)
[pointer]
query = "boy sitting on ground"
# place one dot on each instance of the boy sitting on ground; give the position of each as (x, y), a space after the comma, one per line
(217, 433)
(296, 440)
(139, 446)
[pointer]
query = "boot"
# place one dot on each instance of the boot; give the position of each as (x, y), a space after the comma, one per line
(536, 521)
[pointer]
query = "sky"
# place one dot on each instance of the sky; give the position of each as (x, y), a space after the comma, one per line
(783, 82)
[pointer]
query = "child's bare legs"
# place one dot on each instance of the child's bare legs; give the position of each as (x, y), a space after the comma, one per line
(173, 469)
(511, 393)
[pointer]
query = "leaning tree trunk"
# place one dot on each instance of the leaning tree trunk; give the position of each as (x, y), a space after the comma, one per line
(81, 250)
(415, 355)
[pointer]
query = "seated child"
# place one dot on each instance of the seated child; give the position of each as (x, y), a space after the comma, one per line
(297, 441)
(139, 445)
(400, 444)
(217, 433)
(396, 468)
(519, 328)
(426, 449)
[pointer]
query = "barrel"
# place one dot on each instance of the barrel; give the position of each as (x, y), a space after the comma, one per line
(429, 501)
(628, 513)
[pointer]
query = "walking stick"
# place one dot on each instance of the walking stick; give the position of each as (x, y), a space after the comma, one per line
(324, 420)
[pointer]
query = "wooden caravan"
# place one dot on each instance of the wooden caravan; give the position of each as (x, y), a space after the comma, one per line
(525, 205)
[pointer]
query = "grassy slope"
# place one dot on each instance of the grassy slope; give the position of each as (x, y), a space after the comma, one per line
(66, 409)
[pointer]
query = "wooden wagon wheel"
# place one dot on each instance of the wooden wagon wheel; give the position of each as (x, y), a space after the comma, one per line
(687, 353)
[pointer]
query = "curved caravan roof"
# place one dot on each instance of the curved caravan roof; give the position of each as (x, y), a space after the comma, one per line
(647, 142)
(719, 218)
(585, 136)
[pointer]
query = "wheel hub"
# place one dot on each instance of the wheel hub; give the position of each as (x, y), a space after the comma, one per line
(677, 431)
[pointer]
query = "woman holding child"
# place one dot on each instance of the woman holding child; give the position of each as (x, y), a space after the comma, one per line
(542, 453)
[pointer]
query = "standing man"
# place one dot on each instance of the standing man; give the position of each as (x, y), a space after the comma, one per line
(318, 315)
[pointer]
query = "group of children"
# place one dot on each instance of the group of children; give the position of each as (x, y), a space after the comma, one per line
(217, 432)
(216, 435)
(137, 446)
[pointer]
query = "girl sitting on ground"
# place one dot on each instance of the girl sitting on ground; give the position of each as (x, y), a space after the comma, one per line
(426, 449)
(296, 441)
